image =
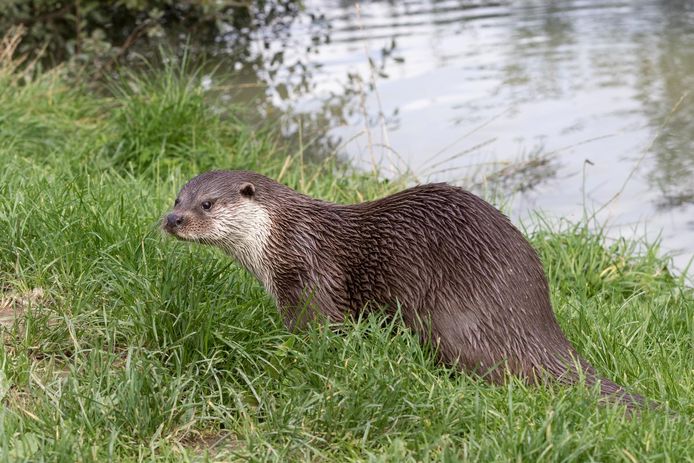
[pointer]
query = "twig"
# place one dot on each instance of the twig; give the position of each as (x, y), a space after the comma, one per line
(467, 134)
(45, 17)
(381, 117)
(643, 155)
(129, 42)
(78, 28)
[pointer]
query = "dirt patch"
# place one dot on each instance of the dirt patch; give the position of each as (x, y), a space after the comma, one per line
(210, 443)
(14, 304)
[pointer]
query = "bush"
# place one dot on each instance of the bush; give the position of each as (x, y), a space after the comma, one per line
(98, 33)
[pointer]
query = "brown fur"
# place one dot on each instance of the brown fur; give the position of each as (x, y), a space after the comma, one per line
(466, 279)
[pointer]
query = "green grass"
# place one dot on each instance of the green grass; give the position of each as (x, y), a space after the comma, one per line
(135, 347)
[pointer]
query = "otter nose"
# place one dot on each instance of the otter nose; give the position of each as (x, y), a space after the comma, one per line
(174, 220)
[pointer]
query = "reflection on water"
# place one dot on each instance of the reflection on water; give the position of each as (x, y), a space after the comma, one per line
(517, 95)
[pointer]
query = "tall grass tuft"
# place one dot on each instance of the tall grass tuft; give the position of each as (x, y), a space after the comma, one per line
(161, 120)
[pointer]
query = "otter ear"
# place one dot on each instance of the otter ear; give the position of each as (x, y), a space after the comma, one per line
(247, 189)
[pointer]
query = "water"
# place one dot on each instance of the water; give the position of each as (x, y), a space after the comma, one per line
(563, 107)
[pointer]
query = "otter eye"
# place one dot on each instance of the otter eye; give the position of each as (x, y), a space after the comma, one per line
(177, 202)
(206, 205)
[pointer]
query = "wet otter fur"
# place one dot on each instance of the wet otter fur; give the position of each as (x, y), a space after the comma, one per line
(465, 278)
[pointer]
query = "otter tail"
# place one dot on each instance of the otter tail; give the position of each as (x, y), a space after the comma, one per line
(613, 392)
(580, 370)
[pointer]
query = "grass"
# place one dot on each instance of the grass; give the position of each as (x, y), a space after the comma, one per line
(127, 346)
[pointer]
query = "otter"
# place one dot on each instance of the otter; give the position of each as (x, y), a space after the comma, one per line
(462, 275)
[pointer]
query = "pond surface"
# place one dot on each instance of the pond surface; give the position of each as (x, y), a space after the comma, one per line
(562, 107)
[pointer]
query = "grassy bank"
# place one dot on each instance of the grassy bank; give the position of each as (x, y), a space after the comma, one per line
(120, 344)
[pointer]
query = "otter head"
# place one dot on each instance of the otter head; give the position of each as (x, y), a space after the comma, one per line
(223, 209)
